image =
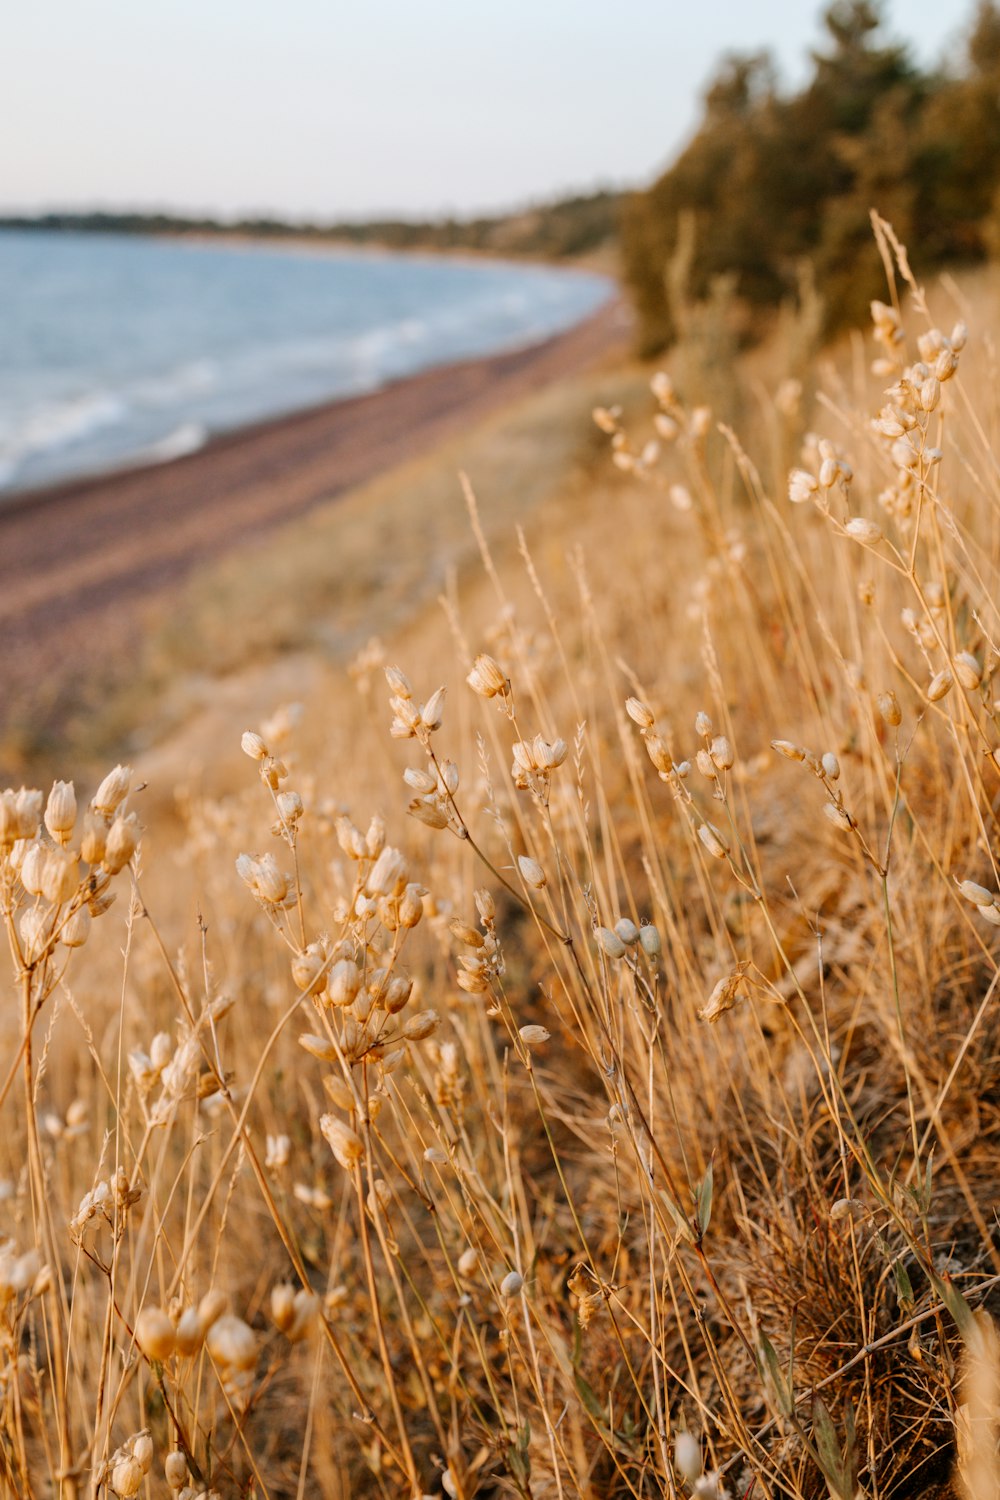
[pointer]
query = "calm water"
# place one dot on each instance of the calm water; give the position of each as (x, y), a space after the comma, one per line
(114, 350)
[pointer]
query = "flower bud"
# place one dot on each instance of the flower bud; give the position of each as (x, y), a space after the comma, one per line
(433, 710)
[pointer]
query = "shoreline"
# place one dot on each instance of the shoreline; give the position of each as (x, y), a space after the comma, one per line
(84, 559)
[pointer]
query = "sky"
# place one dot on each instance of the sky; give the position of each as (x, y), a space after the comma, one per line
(327, 109)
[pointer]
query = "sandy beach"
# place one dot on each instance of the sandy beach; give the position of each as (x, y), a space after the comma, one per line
(81, 561)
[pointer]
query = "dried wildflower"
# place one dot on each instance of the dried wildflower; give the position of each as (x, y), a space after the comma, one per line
(511, 1284)
(251, 744)
(122, 842)
(687, 1457)
(154, 1334)
(860, 529)
(713, 840)
(831, 765)
(175, 1470)
(627, 931)
(889, 709)
(487, 678)
(232, 1343)
(789, 750)
(468, 1263)
(278, 1149)
(534, 1036)
(940, 685)
(346, 1145)
(838, 816)
(967, 671)
(802, 486)
(722, 752)
(639, 713)
(649, 939)
(112, 791)
(610, 943)
(730, 989)
(531, 872)
(60, 811)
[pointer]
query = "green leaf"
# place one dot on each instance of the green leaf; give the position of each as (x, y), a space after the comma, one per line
(904, 1288)
(828, 1449)
(771, 1372)
(680, 1219)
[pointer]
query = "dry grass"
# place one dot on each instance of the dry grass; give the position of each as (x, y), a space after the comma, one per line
(623, 1123)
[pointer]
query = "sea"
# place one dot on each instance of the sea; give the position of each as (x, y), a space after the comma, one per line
(117, 349)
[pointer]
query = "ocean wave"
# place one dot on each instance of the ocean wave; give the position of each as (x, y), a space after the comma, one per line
(193, 379)
(187, 438)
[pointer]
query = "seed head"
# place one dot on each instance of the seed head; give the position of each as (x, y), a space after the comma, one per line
(889, 709)
(60, 811)
(122, 842)
(511, 1284)
(967, 670)
(610, 942)
(486, 677)
(399, 683)
(533, 1036)
(346, 1145)
(154, 1333)
(531, 872)
(713, 840)
(940, 685)
(639, 713)
(113, 790)
(251, 744)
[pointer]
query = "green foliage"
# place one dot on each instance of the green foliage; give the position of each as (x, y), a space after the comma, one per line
(771, 180)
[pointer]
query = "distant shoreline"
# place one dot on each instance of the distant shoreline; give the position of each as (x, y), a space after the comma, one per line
(84, 558)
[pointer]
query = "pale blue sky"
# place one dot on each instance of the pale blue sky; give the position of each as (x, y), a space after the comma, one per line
(326, 108)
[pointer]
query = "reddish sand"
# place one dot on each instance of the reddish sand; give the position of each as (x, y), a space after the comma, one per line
(80, 561)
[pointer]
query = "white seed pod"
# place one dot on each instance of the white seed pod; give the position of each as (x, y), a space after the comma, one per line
(534, 1036)
(113, 790)
(703, 725)
(940, 685)
(432, 712)
(343, 981)
(649, 938)
(399, 683)
(639, 713)
(60, 876)
(32, 868)
(831, 765)
(76, 929)
(706, 765)
(290, 806)
(967, 670)
(283, 1306)
(889, 709)
(420, 780)
(511, 1284)
(687, 1457)
(251, 744)
(122, 842)
(421, 1025)
(838, 816)
(308, 969)
(860, 529)
(127, 1476)
(610, 942)
(713, 840)
(788, 749)
(346, 1145)
(486, 677)
(659, 754)
(847, 1208)
(142, 1450)
(531, 872)
(211, 1307)
(60, 811)
(549, 754)
(155, 1334)
(189, 1332)
(802, 486)
(627, 931)
(468, 1263)
(977, 894)
(232, 1343)
(318, 1046)
(991, 913)
(722, 752)
(387, 874)
(175, 1469)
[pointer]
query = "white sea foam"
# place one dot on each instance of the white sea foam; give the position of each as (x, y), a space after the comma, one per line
(187, 438)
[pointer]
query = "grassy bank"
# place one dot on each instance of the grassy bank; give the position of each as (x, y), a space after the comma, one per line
(621, 1122)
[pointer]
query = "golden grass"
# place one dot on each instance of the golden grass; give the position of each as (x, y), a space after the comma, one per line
(624, 1122)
